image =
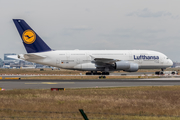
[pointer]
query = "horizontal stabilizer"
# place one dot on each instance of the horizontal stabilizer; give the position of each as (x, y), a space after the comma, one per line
(13, 56)
(33, 56)
(30, 56)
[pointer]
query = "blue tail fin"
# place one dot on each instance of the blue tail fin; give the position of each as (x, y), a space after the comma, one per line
(32, 42)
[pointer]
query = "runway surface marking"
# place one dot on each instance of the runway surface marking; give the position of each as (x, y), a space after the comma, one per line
(51, 83)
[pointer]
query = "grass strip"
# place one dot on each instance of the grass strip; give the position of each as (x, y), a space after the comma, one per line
(151, 102)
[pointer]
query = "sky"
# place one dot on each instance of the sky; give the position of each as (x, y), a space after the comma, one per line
(94, 25)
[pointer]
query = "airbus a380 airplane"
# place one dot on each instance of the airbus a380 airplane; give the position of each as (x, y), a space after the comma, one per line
(87, 60)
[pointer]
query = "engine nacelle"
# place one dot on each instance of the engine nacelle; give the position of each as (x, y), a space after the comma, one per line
(86, 66)
(133, 67)
(126, 66)
(122, 65)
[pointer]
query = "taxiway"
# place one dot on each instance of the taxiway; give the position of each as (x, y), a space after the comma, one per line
(47, 84)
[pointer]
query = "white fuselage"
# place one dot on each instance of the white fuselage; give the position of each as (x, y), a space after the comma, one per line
(84, 59)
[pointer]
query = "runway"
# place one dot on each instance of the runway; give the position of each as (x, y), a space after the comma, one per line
(47, 84)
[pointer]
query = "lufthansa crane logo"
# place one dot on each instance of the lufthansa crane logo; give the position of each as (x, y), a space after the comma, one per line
(29, 36)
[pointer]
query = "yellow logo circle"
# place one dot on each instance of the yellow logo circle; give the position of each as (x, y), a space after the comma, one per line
(29, 36)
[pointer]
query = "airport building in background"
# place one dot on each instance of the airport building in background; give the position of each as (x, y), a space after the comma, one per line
(8, 61)
(1, 62)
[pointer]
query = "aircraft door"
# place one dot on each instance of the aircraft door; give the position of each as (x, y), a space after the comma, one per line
(137, 59)
(57, 61)
(67, 56)
(78, 61)
(88, 57)
(161, 60)
(141, 59)
(130, 56)
(67, 60)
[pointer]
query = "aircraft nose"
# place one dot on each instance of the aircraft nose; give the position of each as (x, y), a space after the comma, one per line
(170, 62)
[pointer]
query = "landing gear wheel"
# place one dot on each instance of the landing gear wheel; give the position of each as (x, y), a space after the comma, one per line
(105, 73)
(97, 73)
(88, 73)
(102, 77)
(93, 73)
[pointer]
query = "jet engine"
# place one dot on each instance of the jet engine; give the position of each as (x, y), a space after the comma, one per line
(86, 66)
(126, 66)
(122, 65)
(133, 67)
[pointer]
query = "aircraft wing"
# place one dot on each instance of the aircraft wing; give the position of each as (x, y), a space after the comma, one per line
(26, 56)
(98, 60)
(30, 56)
(105, 60)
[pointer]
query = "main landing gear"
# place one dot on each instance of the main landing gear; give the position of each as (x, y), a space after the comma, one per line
(162, 72)
(97, 73)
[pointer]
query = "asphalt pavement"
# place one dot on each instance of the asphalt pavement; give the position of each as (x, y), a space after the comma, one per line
(47, 84)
